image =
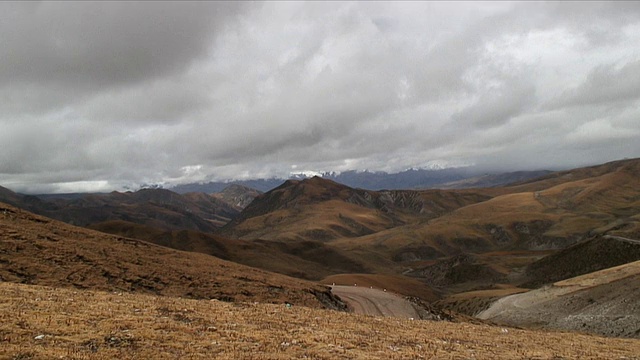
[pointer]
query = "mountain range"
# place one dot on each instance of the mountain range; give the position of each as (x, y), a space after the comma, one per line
(457, 250)
(455, 178)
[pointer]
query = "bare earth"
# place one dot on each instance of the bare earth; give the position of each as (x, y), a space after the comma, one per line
(375, 302)
(606, 302)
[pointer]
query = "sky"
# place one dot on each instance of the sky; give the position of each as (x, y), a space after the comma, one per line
(100, 96)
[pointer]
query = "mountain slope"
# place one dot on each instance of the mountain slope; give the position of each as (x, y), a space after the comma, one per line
(494, 180)
(38, 250)
(595, 200)
(597, 253)
(320, 209)
(306, 259)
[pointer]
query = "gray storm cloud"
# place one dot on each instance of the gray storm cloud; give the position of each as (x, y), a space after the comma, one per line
(101, 95)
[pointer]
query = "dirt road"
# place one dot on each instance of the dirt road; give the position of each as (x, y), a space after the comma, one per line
(375, 302)
(620, 238)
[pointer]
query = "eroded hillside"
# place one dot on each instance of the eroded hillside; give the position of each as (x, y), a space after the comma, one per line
(606, 302)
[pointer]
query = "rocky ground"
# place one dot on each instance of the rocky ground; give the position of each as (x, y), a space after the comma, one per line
(606, 302)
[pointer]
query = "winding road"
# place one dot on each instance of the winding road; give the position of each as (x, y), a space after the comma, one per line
(375, 302)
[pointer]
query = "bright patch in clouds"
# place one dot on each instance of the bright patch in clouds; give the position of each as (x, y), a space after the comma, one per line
(601, 130)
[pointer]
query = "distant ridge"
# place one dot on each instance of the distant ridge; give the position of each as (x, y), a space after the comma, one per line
(154, 207)
(453, 178)
(218, 186)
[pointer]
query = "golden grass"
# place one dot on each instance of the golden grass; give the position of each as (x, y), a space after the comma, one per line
(48, 323)
(330, 219)
(570, 209)
(603, 276)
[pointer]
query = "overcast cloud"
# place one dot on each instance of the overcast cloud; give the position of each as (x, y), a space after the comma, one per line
(95, 96)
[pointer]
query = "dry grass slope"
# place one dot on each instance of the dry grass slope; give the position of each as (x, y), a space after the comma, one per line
(48, 323)
(320, 209)
(38, 250)
(306, 259)
(549, 214)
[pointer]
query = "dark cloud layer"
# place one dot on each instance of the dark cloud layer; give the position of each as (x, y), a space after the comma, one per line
(98, 44)
(101, 95)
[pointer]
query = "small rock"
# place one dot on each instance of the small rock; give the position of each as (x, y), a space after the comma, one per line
(39, 337)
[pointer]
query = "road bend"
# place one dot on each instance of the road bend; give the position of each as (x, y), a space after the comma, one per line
(375, 302)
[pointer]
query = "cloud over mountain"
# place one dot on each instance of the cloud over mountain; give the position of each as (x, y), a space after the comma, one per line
(96, 96)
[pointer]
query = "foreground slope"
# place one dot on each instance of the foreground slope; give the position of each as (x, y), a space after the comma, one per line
(42, 251)
(606, 302)
(50, 323)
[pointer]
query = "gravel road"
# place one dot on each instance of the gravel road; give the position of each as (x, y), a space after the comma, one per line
(368, 301)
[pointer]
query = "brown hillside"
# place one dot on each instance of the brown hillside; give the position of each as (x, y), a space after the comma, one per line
(546, 219)
(38, 250)
(560, 177)
(585, 257)
(9, 196)
(311, 260)
(320, 209)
